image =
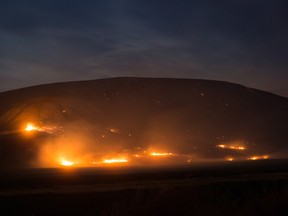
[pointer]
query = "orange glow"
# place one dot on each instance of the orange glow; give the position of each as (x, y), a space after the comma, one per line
(138, 156)
(30, 127)
(229, 159)
(221, 146)
(237, 147)
(114, 130)
(115, 160)
(160, 154)
(233, 147)
(65, 162)
(259, 157)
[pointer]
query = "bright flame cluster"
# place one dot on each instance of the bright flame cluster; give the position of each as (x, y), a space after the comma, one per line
(31, 127)
(115, 160)
(65, 162)
(74, 152)
(233, 147)
(259, 157)
(157, 154)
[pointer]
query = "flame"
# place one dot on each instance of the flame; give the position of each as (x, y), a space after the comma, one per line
(237, 147)
(229, 159)
(221, 146)
(233, 147)
(114, 130)
(161, 154)
(30, 127)
(137, 155)
(65, 162)
(115, 160)
(259, 157)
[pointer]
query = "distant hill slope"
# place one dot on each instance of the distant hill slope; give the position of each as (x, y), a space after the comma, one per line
(186, 115)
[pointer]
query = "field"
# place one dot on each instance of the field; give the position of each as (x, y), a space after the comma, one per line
(246, 188)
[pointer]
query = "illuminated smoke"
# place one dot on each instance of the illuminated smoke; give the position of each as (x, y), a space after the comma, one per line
(73, 146)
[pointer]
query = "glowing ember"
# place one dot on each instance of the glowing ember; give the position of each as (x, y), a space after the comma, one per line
(115, 160)
(65, 162)
(237, 147)
(229, 159)
(160, 154)
(30, 127)
(221, 146)
(233, 147)
(114, 130)
(258, 157)
(137, 155)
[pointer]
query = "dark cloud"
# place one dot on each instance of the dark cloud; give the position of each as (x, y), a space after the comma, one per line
(237, 41)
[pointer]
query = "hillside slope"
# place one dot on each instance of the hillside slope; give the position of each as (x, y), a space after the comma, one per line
(180, 115)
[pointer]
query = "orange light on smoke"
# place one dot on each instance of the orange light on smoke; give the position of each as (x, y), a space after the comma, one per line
(229, 159)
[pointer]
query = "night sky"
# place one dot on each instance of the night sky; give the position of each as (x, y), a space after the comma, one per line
(241, 41)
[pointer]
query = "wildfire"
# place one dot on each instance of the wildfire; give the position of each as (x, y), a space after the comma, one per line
(233, 147)
(237, 147)
(258, 157)
(115, 160)
(160, 154)
(114, 130)
(221, 146)
(137, 155)
(65, 162)
(30, 127)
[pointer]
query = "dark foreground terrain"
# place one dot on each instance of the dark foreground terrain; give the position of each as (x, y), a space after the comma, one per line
(247, 188)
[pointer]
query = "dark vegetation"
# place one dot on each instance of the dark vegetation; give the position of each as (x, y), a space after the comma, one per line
(244, 189)
(228, 198)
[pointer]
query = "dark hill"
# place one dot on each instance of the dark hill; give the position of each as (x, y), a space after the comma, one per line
(126, 113)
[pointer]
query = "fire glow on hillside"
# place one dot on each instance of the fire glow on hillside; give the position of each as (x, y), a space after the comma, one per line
(78, 154)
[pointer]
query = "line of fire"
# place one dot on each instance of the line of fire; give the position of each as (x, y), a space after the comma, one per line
(57, 150)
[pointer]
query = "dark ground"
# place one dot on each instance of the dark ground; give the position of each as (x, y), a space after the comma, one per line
(247, 188)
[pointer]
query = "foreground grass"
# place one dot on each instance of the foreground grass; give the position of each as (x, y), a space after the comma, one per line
(241, 195)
